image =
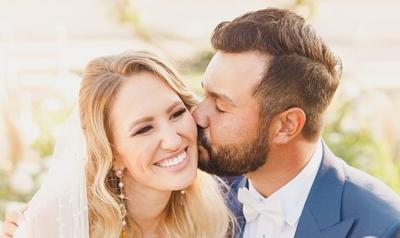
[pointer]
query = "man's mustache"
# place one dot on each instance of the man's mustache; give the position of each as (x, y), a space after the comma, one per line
(202, 139)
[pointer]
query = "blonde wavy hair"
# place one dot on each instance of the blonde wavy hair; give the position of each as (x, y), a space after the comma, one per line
(200, 213)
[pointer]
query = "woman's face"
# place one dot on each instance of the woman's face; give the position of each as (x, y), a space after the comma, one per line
(154, 134)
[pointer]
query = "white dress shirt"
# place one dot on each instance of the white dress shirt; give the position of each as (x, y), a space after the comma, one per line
(289, 199)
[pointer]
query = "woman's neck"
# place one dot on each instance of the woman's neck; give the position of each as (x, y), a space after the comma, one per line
(145, 205)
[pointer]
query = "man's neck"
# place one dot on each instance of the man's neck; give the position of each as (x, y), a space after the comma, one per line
(283, 164)
(145, 205)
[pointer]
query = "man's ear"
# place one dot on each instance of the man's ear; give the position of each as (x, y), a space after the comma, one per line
(286, 125)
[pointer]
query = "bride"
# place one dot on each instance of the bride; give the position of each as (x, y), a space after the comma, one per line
(127, 163)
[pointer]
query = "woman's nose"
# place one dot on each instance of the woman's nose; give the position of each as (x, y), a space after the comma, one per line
(171, 140)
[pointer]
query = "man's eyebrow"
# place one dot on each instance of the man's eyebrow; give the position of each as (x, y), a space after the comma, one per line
(219, 95)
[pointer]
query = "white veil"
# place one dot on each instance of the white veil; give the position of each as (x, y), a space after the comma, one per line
(59, 208)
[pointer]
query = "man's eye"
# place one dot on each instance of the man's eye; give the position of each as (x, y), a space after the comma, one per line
(218, 109)
(143, 130)
(178, 113)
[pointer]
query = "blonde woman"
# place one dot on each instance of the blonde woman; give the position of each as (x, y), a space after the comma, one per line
(135, 173)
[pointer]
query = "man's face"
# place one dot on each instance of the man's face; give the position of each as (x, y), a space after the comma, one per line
(232, 138)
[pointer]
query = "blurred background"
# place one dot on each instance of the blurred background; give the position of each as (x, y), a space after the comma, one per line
(45, 45)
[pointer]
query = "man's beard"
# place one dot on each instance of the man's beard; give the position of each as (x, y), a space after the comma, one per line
(233, 159)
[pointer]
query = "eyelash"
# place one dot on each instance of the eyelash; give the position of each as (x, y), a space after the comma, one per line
(143, 130)
(218, 110)
(178, 113)
(148, 128)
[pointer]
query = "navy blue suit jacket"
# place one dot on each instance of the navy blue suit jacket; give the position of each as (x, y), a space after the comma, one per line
(343, 203)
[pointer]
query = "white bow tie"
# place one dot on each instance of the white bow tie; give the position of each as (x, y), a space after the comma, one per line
(269, 209)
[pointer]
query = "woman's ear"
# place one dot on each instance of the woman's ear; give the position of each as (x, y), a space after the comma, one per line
(118, 163)
(118, 166)
(287, 125)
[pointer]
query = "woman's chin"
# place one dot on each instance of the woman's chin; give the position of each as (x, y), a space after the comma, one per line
(181, 182)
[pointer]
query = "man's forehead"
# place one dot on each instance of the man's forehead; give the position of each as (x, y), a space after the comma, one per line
(234, 71)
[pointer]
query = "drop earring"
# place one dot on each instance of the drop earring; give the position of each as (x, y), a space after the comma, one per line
(119, 173)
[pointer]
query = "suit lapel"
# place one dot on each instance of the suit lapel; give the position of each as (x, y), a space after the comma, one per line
(339, 230)
(308, 226)
(321, 213)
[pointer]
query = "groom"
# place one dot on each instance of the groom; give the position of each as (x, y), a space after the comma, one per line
(266, 90)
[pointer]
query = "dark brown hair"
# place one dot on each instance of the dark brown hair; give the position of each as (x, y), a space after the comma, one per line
(302, 71)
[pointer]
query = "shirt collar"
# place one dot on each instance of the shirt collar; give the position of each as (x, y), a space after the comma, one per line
(294, 194)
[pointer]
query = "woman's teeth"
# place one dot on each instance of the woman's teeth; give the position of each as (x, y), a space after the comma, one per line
(173, 161)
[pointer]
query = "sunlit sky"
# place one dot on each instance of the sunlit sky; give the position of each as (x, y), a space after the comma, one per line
(43, 41)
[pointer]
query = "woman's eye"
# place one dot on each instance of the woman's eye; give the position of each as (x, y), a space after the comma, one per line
(178, 113)
(143, 130)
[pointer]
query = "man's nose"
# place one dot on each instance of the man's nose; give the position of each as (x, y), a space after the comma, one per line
(200, 116)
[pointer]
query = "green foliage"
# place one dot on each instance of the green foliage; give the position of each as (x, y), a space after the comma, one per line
(198, 63)
(360, 149)
(31, 165)
(128, 14)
